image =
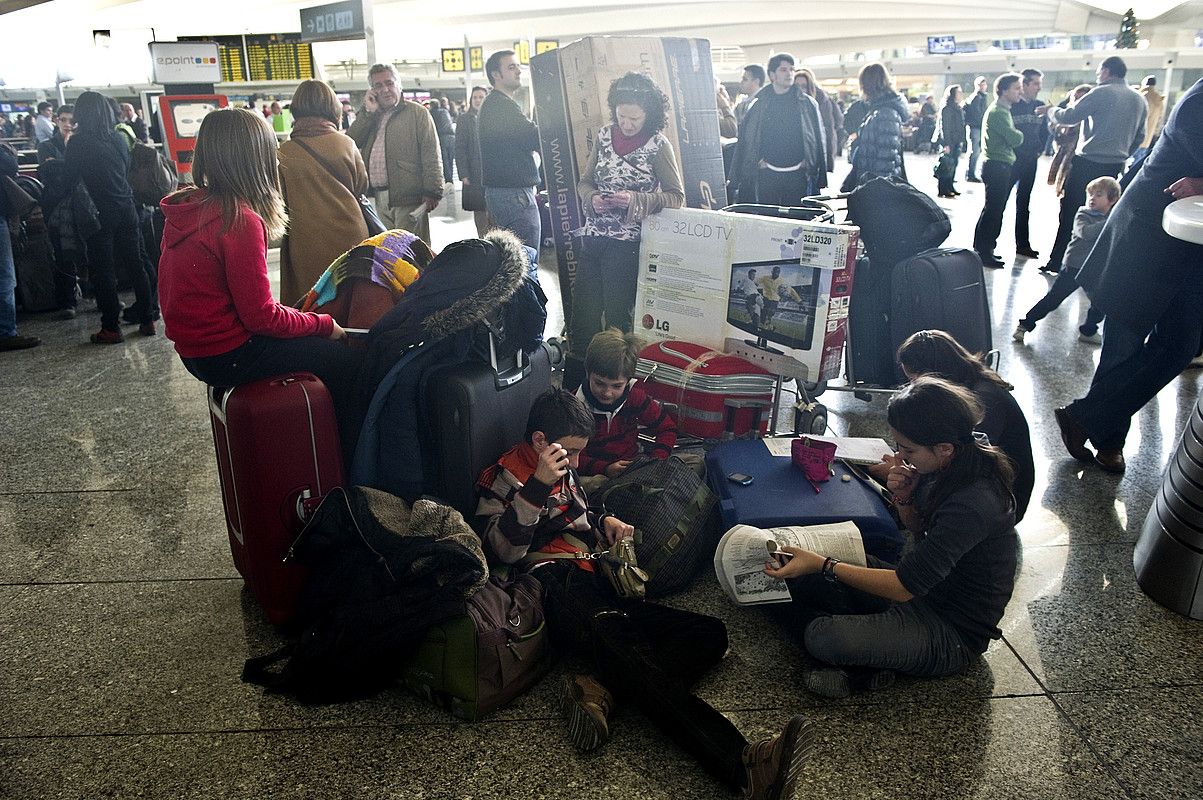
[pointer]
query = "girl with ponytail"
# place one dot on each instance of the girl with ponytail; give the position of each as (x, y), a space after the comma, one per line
(938, 609)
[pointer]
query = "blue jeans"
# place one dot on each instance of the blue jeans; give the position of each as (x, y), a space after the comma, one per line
(845, 627)
(1135, 365)
(8, 283)
(515, 209)
(975, 151)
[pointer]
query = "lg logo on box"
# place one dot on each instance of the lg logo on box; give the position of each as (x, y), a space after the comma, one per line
(650, 322)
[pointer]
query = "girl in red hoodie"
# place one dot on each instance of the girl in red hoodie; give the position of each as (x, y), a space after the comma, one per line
(216, 300)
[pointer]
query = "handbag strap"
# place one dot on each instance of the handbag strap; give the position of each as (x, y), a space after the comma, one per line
(325, 165)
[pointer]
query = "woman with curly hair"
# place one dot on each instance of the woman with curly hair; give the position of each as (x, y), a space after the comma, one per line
(632, 172)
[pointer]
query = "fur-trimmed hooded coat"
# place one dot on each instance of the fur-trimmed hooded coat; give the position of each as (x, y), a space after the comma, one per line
(440, 320)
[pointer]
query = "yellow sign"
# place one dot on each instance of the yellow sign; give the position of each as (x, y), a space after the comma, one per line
(522, 50)
(453, 59)
(543, 45)
(476, 58)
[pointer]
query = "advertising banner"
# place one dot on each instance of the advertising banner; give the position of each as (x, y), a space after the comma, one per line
(185, 62)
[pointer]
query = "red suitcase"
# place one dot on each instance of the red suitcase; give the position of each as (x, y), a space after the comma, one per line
(277, 445)
(716, 395)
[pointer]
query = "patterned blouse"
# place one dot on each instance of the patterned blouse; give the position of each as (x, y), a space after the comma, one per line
(634, 172)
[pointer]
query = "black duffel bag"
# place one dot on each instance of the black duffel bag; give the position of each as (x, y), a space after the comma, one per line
(896, 221)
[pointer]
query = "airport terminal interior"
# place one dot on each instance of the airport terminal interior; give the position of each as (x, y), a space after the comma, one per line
(124, 624)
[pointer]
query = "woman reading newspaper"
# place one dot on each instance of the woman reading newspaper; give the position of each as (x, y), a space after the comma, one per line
(938, 609)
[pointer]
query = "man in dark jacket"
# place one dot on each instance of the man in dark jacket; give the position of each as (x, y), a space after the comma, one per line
(1031, 118)
(781, 154)
(975, 114)
(508, 143)
(1150, 287)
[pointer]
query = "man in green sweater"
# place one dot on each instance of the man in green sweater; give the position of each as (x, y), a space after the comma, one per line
(1000, 137)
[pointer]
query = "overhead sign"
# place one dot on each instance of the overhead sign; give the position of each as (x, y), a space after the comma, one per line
(332, 22)
(522, 51)
(185, 62)
(453, 59)
(476, 59)
(543, 45)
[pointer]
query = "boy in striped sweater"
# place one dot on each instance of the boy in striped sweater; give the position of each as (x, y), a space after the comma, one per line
(620, 407)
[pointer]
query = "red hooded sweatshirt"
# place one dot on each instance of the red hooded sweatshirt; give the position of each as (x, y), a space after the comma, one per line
(213, 286)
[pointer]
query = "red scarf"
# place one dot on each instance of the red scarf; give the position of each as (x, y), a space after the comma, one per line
(625, 145)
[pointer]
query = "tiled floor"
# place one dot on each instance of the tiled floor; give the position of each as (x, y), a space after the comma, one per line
(123, 624)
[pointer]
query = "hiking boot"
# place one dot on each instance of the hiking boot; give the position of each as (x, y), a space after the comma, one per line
(147, 329)
(15, 342)
(587, 705)
(107, 337)
(773, 765)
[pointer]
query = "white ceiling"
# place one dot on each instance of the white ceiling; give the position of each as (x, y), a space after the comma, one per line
(57, 34)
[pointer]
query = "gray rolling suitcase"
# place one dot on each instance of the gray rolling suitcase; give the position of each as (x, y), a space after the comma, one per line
(941, 289)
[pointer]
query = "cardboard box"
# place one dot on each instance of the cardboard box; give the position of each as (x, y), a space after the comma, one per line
(708, 277)
(570, 86)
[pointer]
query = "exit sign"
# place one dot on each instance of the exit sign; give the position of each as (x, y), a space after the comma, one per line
(332, 22)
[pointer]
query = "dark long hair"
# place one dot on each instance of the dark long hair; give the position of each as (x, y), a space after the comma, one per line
(932, 411)
(938, 353)
(639, 90)
(93, 114)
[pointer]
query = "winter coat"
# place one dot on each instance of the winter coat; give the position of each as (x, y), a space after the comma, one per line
(324, 216)
(1137, 270)
(975, 110)
(879, 143)
(951, 131)
(415, 162)
(467, 161)
(745, 166)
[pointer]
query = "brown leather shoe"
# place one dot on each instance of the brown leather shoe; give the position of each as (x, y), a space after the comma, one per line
(1072, 435)
(587, 705)
(1111, 459)
(773, 764)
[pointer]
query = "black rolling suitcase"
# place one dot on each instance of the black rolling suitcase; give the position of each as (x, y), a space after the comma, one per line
(870, 350)
(941, 289)
(477, 411)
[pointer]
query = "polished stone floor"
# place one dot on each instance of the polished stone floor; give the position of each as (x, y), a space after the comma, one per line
(123, 624)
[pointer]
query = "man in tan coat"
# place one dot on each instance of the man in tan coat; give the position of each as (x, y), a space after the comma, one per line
(405, 167)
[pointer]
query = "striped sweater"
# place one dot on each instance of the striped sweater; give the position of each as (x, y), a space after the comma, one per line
(616, 436)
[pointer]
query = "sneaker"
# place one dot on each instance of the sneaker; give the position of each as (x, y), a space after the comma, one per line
(1092, 338)
(772, 765)
(107, 337)
(832, 683)
(586, 704)
(15, 342)
(147, 329)
(64, 314)
(1020, 332)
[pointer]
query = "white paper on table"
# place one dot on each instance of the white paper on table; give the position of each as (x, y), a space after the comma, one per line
(854, 449)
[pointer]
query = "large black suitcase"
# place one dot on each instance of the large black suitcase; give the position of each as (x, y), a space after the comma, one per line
(942, 289)
(476, 412)
(871, 346)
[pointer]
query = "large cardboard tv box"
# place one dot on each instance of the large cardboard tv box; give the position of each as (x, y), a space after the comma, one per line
(570, 87)
(774, 291)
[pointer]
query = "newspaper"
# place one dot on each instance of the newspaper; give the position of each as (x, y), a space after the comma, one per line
(741, 554)
(853, 449)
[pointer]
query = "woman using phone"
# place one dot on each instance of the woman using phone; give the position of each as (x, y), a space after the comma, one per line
(631, 173)
(938, 609)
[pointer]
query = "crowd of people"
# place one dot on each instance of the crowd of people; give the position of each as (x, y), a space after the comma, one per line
(963, 474)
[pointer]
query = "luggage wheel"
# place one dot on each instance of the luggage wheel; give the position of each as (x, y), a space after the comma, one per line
(810, 418)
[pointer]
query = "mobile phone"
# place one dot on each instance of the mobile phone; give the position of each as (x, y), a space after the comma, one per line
(740, 478)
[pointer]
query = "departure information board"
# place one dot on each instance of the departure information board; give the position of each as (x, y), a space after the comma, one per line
(267, 57)
(279, 57)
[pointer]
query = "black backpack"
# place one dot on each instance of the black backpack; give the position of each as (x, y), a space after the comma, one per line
(896, 221)
(152, 175)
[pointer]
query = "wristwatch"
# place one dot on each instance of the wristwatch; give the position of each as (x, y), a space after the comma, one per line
(828, 570)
